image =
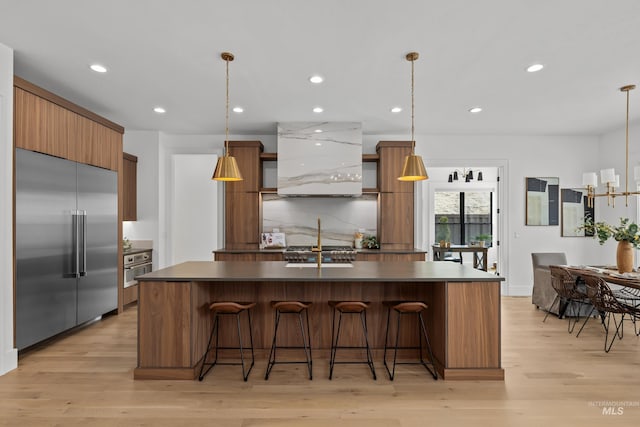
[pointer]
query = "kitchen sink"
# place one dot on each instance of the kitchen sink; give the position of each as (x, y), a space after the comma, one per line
(314, 265)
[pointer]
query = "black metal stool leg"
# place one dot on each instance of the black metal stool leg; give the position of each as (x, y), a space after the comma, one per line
(204, 359)
(433, 372)
(272, 353)
(307, 350)
(309, 338)
(386, 339)
(363, 318)
(334, 346)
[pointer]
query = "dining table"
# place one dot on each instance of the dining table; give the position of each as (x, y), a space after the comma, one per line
(609, 273)
(480, 259)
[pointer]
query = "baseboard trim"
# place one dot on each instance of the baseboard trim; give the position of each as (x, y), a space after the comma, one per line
(9, 361)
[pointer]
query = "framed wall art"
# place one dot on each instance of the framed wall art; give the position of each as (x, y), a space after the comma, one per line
(573, 211)
(543, 201)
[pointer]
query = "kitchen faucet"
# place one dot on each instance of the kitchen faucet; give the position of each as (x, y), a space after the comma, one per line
(318, 248)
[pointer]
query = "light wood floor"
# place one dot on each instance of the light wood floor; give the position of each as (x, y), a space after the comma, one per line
(552, 378)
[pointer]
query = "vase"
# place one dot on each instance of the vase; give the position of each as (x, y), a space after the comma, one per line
(624, 257)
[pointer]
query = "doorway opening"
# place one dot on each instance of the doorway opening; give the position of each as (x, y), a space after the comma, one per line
(467, 212)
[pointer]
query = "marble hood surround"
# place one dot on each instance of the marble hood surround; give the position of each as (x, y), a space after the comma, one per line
(319, 158)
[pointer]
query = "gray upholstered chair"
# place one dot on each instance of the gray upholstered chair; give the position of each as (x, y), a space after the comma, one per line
(543, 293)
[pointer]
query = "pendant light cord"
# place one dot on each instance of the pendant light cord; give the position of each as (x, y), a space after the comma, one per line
(226, 124)
(626, 172)
(413, 141)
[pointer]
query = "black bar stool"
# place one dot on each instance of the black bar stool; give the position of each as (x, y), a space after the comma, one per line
(297, 308)
(349, 307)
(228, 308)
(407, 308)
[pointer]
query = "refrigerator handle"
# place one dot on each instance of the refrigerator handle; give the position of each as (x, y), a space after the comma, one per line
(75, 255)
(83, 270)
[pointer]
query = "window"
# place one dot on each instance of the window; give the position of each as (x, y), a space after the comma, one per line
(462, 216)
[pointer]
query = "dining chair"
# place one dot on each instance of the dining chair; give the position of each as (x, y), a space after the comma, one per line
(572, 296)
(604, 300)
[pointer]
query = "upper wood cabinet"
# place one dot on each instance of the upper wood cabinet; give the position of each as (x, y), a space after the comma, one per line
(129, 191)
(48, 124)
(247, 154)
(390, 164)
(40, 125)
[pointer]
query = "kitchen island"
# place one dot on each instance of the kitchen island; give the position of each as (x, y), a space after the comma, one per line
(463, 316)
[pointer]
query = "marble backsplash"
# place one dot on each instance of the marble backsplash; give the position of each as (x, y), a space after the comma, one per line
(340, 217)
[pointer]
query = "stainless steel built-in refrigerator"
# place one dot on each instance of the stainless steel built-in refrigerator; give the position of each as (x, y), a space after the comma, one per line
(66, 245)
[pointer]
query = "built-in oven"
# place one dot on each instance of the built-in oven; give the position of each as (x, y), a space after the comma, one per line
(136, 265)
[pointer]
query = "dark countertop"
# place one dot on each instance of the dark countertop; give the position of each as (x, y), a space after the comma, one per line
(136, 251)
(360, 251)
(362, 271)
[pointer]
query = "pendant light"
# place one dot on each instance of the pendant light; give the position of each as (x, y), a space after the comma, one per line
(608, 176)
(413, 169)
(227, 167)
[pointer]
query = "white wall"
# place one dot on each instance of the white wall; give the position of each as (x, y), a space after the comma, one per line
(194, 208)
(8, 354)
(144, 145)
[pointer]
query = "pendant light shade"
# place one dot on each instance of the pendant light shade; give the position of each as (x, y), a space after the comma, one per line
(227, 167)
(227, 170)
(413, 169)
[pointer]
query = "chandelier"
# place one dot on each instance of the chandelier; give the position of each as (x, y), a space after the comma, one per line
(466, 173)
(608, 176)
(227, 167)
(413, 169)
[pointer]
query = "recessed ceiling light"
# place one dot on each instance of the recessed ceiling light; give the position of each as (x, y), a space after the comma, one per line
(159, 110)
(318, 131)
(318, 144)
(535, 67)
(475, 110)
(318, 110)
(396, 109)
(98, 68)
(316, 79)
(238, 109)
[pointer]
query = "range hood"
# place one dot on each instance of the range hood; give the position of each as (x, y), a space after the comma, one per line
(320, 158)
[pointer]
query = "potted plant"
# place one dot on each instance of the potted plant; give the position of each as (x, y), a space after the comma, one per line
(370, 242)
(443, 235)
(483, 238)
(626, 234)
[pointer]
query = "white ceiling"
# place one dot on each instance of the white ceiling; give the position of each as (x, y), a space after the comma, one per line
(471, 53)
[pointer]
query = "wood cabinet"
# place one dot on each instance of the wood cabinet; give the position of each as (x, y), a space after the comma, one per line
(396, 199)
(390, 163)
(48, 124)
(414, 256)
(248, 256)
(247, 154)
(130, 187)
(242, 198)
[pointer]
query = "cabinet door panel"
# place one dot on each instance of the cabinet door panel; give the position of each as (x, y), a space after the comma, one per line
(242, 220)
(390, 168)
(129, 198)
(247, 154)
(396, 220)
(40, 125)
